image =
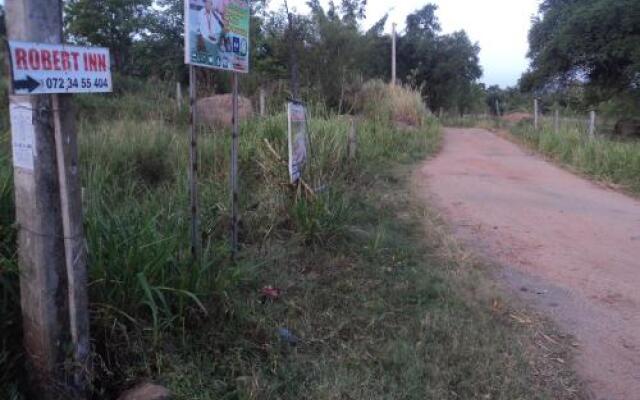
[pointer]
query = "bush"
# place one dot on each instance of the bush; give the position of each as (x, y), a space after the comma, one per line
(395, 103)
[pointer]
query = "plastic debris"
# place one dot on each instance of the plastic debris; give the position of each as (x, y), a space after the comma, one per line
(270, 293)
(288, 337)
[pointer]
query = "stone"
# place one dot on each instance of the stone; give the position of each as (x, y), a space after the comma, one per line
(146, 391)
(217, 110)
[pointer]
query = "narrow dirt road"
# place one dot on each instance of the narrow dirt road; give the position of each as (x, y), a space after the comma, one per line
(568, 246)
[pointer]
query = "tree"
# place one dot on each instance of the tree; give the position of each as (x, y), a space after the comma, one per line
(158, 49)
(592, 41)
(3, 27)
(445, 67)
(109, 23)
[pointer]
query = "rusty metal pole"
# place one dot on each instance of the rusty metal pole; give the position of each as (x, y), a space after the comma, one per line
(196, 240)
(234, 169)
(66, 142)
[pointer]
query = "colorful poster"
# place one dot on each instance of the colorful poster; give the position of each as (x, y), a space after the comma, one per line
(297, 140)
(217, 34)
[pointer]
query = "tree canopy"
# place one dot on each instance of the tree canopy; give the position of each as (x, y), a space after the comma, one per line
(331, 51)
(596, 42)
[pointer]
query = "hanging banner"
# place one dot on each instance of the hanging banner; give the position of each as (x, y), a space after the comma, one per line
(39, 68)
(217, 34)
(297, 140)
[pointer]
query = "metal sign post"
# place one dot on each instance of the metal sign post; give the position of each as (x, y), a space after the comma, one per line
(72, 227)
(216, 36)
(196, 240)
(234, 169)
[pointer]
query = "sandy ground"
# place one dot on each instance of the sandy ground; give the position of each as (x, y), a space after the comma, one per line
(568, 246)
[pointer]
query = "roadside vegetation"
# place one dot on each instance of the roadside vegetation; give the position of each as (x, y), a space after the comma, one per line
(604, 157)
(366, 307)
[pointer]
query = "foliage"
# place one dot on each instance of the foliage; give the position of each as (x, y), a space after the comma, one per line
(109, 23)
(596, 41)
(444, 67)
(333, 54)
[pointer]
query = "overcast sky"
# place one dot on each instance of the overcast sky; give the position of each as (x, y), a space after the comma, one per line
(499, 26)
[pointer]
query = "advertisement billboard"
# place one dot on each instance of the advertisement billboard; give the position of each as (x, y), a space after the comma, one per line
(217, 34)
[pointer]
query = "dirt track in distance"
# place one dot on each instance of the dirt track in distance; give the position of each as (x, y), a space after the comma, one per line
(568, 246)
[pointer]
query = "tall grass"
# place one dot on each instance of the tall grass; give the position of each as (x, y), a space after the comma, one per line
(10, 326)
(379, 311)
(604, 158)
(134, 156)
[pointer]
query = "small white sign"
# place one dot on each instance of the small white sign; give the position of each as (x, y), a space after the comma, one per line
(39, 68)
(23, 135)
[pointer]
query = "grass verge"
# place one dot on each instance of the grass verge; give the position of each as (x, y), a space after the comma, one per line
(609, 160)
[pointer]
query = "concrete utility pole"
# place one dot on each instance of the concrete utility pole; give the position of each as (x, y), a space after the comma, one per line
(49, 220)
(393, 54)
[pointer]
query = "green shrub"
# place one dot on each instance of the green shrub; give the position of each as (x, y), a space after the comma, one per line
(395, 103)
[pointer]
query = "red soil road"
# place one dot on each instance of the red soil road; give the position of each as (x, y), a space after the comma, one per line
(568, 246)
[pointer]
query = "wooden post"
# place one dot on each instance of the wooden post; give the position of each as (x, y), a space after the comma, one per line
(179, 99)
(66, 142)
(393, 54)
(352, 141)
(41, 250)
(441, 114)
(556, 121)
(498, 108)
(196, 241)
(536, 113)
(263, 104)
(234, 169)
(592, 124)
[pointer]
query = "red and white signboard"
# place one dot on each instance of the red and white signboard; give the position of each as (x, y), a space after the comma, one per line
(39, 68)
